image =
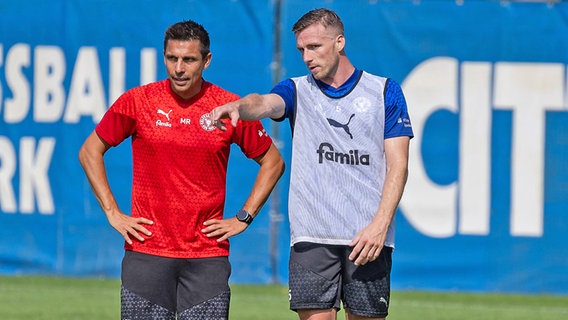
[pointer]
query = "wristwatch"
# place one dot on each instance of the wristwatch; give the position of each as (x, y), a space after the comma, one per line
(244, 216)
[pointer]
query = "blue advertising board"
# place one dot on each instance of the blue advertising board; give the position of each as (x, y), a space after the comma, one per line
(486, 203)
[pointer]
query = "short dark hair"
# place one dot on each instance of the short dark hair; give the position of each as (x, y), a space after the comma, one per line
(188, 30)
(325, 17)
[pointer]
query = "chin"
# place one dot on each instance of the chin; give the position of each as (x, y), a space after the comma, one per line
(179, 91)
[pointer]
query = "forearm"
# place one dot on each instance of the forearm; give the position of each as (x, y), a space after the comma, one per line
(271, 169)
(396, 153)
(368, 243)
(257, 107)
(91, 160)
(393, 189)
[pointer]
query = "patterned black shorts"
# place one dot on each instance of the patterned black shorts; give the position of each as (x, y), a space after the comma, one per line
(160, 288)
(321, 276)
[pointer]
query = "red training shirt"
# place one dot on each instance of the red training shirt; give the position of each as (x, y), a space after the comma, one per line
(179, 162)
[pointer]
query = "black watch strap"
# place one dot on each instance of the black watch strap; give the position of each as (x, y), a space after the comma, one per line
(244, 216)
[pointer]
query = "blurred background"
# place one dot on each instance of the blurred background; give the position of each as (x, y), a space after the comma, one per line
(486, 204)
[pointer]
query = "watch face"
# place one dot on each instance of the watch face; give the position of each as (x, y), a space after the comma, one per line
(244, 216)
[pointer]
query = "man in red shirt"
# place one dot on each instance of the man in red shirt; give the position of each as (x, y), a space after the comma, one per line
(176, 260)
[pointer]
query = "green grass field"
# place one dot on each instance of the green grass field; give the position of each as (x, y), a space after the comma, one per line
(46, 298)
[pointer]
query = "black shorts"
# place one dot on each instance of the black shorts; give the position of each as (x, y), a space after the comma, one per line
(322, 275)
(156, 287)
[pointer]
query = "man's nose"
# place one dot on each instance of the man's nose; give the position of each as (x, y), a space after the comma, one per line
(179, 66)
(306, 56)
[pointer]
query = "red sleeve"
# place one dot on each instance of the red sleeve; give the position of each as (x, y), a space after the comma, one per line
(252, 138)
(118, 123)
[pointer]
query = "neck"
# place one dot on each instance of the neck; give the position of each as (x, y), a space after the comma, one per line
(344, 70)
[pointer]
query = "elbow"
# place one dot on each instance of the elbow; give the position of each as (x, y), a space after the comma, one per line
(82, 155)
(92, 150)
(281, 167)
(279, 163)
(86, 157)
(277, 167)
(272, 163)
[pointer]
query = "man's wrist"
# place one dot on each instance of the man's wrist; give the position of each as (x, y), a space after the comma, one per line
(244, 216)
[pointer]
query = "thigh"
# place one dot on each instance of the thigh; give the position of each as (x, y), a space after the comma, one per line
(366, 289)
(314, 277)
(148, 287)
(203, 290)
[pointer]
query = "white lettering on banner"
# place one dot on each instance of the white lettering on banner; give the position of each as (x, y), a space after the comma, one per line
(431, 86)
(86, 96)
(34, 182)
(117, 61)
(528, 89)
(474, 148)
(17, 107)
(7, 171)
(148, 58)
(49, 73)
(1, 63)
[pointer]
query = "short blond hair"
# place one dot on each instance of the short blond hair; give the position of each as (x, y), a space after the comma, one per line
(327, 18)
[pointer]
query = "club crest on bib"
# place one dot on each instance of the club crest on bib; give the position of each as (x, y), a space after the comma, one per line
(206, 123)
(362, 104)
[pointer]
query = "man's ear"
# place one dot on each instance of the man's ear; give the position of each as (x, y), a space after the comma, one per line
(340, 43)
(207, 60)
